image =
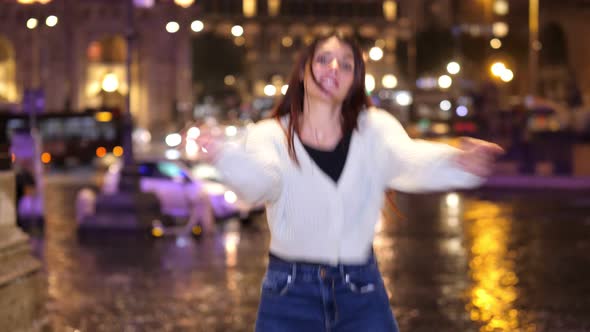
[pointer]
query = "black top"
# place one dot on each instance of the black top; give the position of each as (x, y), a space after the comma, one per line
(331, 162)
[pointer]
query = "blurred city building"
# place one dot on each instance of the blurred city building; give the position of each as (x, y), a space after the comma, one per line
(424, 57)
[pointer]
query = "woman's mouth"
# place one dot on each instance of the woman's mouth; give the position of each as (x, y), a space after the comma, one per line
(329, 83)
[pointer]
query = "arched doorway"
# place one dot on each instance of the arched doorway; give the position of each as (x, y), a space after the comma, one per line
(8, 91)
(106, 77)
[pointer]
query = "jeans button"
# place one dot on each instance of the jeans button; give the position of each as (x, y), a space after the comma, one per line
(322, 272)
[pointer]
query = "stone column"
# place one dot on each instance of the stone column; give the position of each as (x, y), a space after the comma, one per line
(22, 285)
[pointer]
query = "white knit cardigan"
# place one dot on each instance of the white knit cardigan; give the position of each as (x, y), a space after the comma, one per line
(311, 217)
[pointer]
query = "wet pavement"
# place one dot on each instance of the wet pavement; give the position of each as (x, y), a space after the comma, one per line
(451, 263)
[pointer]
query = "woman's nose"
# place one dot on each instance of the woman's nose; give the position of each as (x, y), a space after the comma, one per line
(334, 64)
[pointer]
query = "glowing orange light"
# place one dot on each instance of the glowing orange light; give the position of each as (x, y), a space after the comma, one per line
(118, 151)
(197, 230)
(157, 232)
(46, 157)
(103, 116)
(13, 157)
(101, 152)
(184, 3)
(94, 51)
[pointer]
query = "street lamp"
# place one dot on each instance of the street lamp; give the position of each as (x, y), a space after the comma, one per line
(32, 23)
(507, 75)
(533, 44)
(51, 21)
(197, 26)
(33, 98)
(129, 176)
(237, 30)
(453, 68)
(172, 27)
(376, 53)
(445, 81)
(495, 43)
(389, 81)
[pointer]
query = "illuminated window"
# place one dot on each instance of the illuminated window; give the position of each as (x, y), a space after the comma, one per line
(111, 49)
(274, 7)
(106, 81)
(8, 91)
(389, 10)
(249, 8)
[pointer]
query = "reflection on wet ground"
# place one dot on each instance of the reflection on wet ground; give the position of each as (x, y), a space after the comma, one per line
(451, 262)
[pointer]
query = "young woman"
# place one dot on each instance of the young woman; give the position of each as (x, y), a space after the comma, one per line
(321, 165)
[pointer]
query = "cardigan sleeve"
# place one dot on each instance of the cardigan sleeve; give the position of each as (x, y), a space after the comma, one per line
(412, 165)
(252, 167)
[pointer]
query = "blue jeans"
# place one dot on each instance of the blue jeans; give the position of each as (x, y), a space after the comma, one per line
(322, 298)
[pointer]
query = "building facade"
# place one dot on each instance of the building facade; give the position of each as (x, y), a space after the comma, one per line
(78, 57)
(75, 51)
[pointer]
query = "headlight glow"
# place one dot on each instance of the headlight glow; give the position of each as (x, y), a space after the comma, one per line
(230, 197)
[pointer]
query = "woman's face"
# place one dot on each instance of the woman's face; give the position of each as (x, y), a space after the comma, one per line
(333, 67)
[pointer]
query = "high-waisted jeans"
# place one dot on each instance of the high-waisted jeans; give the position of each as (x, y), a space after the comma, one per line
(306, 297)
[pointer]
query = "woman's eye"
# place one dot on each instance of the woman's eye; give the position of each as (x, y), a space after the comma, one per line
(322, 59)
(347, 66)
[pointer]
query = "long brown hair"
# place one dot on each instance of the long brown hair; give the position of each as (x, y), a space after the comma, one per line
(292, 103)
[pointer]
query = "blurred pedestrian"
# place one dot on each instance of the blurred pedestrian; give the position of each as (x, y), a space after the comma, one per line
(321, 164)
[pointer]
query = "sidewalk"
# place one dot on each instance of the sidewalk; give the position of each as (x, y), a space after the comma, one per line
(507, 177)
(538, 182)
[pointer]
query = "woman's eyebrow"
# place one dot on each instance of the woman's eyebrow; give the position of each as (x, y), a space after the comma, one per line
(346, 56)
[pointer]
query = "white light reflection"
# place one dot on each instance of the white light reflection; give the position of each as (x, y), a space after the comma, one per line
(453, 210)
(231, 240)
(453, 246)
(453, 200)
(453, 221)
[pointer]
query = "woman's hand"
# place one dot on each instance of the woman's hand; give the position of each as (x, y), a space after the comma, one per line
(210, 144)
(477, 156)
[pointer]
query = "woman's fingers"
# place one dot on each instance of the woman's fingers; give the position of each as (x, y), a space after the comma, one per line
(468, 143)
(478, 156)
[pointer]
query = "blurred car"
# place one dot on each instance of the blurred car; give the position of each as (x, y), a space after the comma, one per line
(186, 202)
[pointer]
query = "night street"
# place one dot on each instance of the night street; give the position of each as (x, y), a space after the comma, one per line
(453, 263)
(147, 145)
